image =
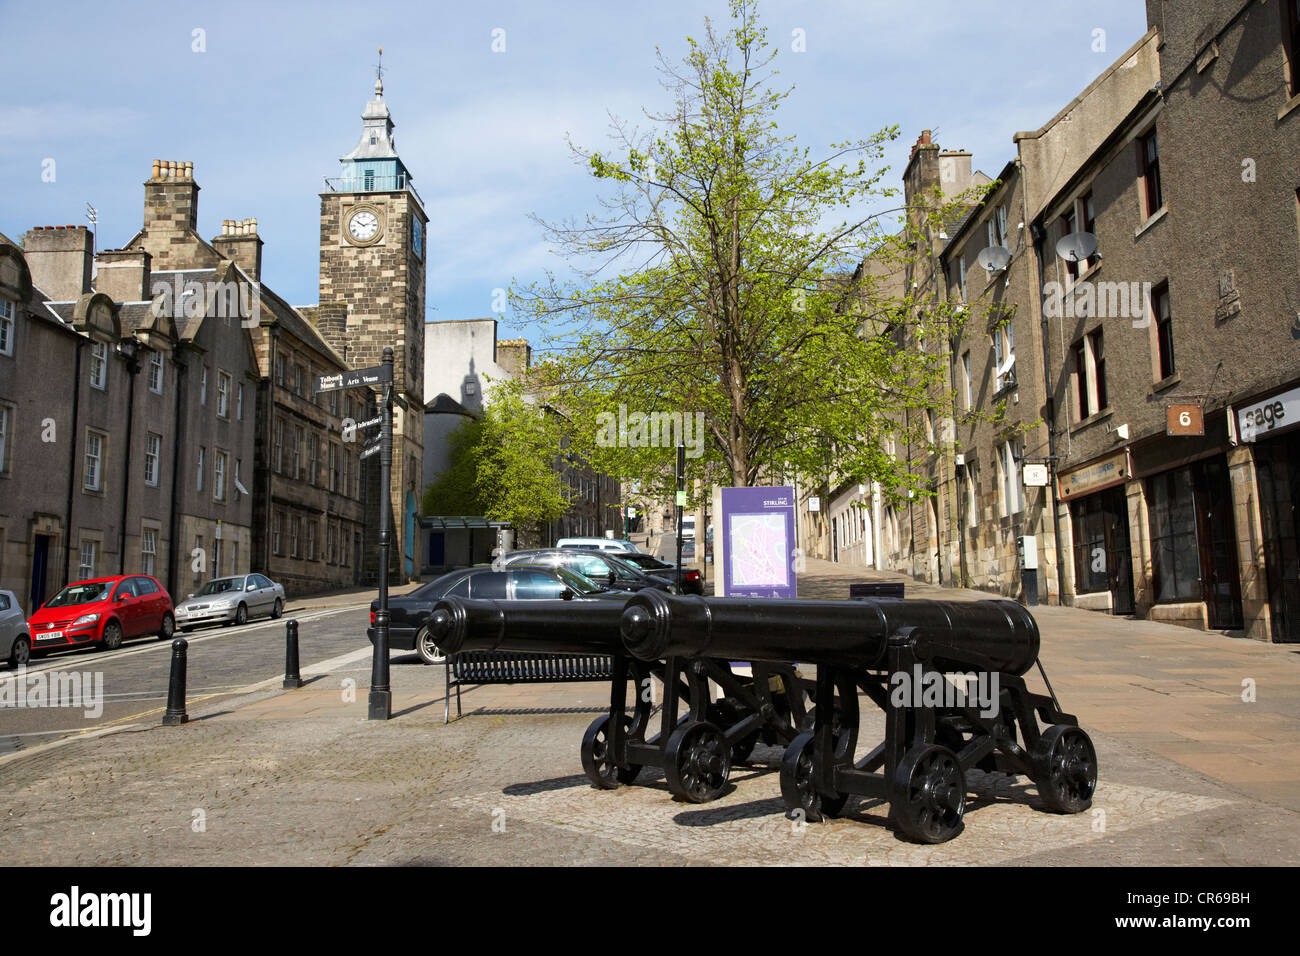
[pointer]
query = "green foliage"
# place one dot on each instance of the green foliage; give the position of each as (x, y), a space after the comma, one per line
(744, 290)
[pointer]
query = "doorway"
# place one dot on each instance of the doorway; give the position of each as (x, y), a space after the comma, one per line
(40, 571)
(1102, 555)
(1277, 467)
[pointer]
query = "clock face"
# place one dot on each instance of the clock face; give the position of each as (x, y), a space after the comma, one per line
(363, 225)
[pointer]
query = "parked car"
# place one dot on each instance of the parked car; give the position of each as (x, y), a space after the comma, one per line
(613, 545)
(15, 639)
(103, 611)
(408, 613)
(231, 600)
(600, 568)
(692, 583)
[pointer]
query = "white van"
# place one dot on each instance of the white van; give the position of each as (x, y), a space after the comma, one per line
(612, 545)
(688, 526)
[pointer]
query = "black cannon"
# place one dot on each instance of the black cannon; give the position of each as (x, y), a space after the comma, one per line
(901, 654)
(696, 755)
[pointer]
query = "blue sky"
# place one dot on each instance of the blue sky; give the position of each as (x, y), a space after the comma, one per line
(266, 110)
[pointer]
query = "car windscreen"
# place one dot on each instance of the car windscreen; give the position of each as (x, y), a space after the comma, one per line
(220, 586)
(577, 582)
(622, 568)
(80, 594)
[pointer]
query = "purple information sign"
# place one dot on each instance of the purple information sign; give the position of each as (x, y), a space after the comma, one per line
(758, 525)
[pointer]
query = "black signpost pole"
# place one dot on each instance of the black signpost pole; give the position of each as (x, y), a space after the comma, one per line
(381, 694)
(681, 501)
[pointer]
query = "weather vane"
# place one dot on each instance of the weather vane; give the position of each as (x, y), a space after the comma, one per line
(379, 67)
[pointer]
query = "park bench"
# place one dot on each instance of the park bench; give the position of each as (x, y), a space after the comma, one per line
(510, 667)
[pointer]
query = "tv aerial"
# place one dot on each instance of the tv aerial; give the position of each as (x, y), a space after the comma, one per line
(1077, 246)
(994, 258)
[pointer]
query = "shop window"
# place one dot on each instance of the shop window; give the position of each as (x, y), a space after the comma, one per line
(1176, 563)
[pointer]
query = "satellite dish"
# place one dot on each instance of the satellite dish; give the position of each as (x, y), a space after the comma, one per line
(994, 258)
(1077, 246)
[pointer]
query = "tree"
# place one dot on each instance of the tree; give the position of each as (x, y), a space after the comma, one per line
(504, 465)
(744, 293)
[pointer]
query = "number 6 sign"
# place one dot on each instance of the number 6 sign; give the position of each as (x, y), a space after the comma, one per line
(1185, 420)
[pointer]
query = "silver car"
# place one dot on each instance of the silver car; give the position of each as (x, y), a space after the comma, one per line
(15, 638)
(231, 600)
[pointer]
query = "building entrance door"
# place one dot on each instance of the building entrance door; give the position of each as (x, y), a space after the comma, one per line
(1102, 557)
(40, 570)
(1277, 467)
(1217, 535)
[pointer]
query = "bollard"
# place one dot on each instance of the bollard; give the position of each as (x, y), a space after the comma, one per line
(175, 713)
(291, 676)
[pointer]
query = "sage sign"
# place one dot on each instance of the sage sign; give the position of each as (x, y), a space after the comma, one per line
(1272, 414)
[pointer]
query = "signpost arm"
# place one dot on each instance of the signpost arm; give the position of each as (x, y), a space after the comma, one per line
(381, 694)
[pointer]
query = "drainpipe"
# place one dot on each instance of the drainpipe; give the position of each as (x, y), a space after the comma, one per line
(130, 349)
(1050, 403)
(269, 407)
(178, 475)
(72, 464)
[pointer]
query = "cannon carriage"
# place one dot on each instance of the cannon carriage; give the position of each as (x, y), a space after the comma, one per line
(894, 652)
(700, 734)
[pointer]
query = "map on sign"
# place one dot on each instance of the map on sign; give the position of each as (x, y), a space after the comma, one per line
(758, 547)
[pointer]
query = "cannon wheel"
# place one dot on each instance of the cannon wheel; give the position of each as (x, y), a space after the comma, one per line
(598, 762)
(929, 795)
(728, 714)
(798, 789)
(696, 762)
(1065, 769)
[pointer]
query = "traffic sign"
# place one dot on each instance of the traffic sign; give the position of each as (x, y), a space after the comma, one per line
(357, 378)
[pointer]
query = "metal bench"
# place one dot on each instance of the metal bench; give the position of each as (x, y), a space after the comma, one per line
(510, 667)
(875, 589)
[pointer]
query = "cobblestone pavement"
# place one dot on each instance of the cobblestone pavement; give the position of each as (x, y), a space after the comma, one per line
(1190, 775)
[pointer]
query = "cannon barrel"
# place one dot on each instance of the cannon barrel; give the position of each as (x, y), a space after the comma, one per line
(957, 635)
(548, 627)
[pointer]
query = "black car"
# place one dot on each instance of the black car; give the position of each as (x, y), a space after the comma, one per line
(408, 613)
(600, 568)
(692, 583)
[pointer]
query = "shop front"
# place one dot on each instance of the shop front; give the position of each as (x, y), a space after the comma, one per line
(1103, 558)
(1270, 425)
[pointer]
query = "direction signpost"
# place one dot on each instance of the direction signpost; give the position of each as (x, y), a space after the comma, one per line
(381, 693)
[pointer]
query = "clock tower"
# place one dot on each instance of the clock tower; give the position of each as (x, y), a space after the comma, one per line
(372, 260)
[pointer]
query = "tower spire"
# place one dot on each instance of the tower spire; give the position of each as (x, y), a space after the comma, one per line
(379, 74)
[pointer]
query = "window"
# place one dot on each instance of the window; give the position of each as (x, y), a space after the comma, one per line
(1011, 496)
(334, 466)
(5, 428)
(313, 446)
(277, 525)
(334, 402)
(1090, 374)
(297, 452)
(148, 550)
(239, 401)
(299, 377)
(1070, 224)
(203, 386)
(966, 381)
(1164, 332)
(89, 552)
(295, 533)
(1004, 356)
(6, 327)
(1176, 564)
(216, 558)
(279, 370)
(961, 276)
(311, 540)
(1291, 40)
(92, 479)
(202, 457)
(1150, 159)
(239, 485)
(152, 449)
(1088, 218)
(156, 373)
(99, 365)
(279, 445)
(219, 476)
(223, 394)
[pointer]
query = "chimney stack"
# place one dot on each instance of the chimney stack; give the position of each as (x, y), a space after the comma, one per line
(514, 355)
(171, 198)
(239, 243)
(123, 275)
(59, 258)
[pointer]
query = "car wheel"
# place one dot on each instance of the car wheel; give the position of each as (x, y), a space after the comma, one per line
(168, 628)
(278, 610)
(429, 652)
(20, 653)
(241, 615)
(112, 638)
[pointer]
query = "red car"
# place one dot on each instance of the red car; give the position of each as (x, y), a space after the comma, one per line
(103, 611)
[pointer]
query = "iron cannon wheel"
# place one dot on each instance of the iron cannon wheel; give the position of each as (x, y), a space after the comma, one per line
(798, 786)
(728, 713)
(1065, 765)
(597, 760)
(929, 795)
(697, 762)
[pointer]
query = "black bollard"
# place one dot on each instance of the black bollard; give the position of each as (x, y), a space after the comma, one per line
(176, 686)
(291, 676)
